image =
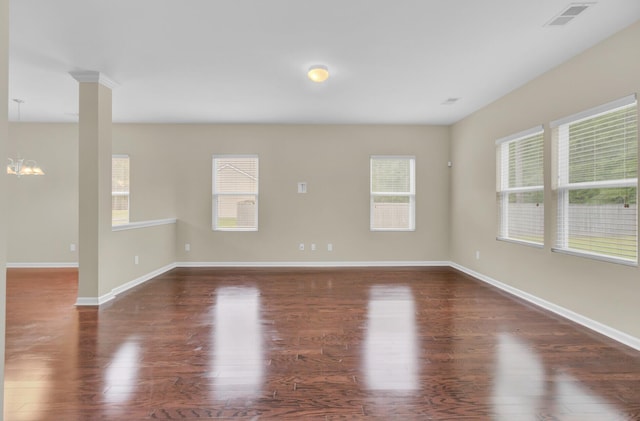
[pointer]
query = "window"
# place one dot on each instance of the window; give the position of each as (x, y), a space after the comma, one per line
(597, 180)
(119, 189)
(235, 193)
(521, 186)
(393, 193)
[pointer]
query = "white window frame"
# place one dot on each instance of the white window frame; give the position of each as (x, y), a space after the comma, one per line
(503, 189)
(126, 194)
(215, 194)
(563, 186)
(411, 194)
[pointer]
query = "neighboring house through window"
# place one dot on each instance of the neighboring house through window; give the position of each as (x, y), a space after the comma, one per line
(393, 193)
(235, 192)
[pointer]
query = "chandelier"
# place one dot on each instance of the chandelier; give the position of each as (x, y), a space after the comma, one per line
(20, 166)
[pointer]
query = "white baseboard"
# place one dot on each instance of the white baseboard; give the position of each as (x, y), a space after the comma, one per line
(334, 264)
(142, 279)
(27, 265)
(87, 301)
(601, 328)
(96, 301)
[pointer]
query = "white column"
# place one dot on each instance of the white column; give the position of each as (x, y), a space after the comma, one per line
(94, 192)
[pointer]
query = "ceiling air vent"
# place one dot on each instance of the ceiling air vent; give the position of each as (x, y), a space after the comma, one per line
(450, 101)
(568, 14)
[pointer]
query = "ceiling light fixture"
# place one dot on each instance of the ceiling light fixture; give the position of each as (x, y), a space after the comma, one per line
(19, 166)
(318, 73)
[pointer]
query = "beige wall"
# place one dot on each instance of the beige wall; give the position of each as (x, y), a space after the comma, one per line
(43, 211)
(334, 161)
(604, 292)
(153, 169)
(154, 246)
(171, 177)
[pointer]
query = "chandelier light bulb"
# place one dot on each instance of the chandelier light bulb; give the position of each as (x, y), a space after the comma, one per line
(20, 166)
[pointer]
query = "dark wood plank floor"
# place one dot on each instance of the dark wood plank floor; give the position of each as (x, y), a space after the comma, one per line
(305, 344)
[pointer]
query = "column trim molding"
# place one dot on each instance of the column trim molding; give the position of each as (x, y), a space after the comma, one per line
(92, 76)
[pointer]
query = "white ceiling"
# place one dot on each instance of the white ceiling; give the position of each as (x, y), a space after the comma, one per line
(245, 61)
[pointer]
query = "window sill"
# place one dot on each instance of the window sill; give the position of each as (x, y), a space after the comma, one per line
(521, 242)
(235, 229)
(143, 224)
(392, 230)
(595, 256)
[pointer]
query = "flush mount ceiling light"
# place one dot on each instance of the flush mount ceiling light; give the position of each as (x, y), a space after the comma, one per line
(318, 73)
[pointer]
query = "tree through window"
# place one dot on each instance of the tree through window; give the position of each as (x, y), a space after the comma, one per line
(597, 181)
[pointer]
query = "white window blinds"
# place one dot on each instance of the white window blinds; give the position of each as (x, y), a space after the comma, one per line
(235, 192)
(597, 181)
(119, 189)
(392, 193)
(521, 186)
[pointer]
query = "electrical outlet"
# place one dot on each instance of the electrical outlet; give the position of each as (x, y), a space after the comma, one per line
(477, 254)
(187, 247)
(313, 246)
(329, 247)
(301, 246)
(72, 247)
(136, 260)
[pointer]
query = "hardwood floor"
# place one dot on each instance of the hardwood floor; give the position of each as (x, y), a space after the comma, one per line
(305, 344)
